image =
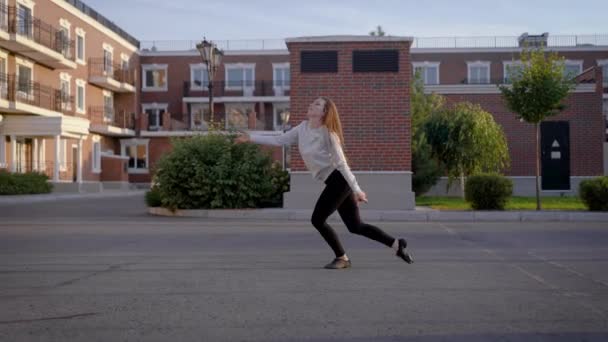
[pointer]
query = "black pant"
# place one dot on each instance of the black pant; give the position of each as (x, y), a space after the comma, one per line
(338, 195)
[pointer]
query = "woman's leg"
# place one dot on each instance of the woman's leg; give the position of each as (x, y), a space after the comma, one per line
(333, 195)
(349, 212)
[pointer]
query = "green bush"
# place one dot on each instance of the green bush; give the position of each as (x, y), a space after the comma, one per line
(24, 183)
(488, 191)
(210, 171)
(594, 193)
(280, 184)
(153, 198)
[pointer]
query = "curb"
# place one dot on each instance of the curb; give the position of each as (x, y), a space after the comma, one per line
(392, 215)
(21, 199)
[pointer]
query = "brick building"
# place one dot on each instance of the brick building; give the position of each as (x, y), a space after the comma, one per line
(91, 106)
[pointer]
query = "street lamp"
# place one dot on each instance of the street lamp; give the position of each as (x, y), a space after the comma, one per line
(284, 119)
(212, 57)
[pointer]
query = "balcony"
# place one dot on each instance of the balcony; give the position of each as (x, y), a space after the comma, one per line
(35, 39)
(231, 91)
(27, 97)
(111, 122)
(111, 76)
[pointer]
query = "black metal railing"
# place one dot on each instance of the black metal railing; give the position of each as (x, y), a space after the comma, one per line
(240, 88)
(30, 27)
(33, 93)
(101, 67)
(111, 116)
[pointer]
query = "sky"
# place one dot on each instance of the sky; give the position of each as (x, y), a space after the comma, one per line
(271, 19)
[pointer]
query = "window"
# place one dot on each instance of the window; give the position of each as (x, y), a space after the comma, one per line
(237, 115)
(2, 151)
(511, 69)
(240, 76)
(63, 40)
(199, 78)
(124, 62)
(155, 77)
(80, 45)
(3, 78)
(107, 63)
(63, 163)
(137, 151)
(278, 110)
(155, 113)
(80, 96)
(604, 64)
(108, 107)
(96, 155)
(572, 68)
(428, 71)
(199, 116)
(281, 75)
(478, 72)
(24, 21)
(65, 95)
(24, 77)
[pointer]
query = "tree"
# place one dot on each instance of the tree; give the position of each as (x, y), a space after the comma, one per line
(537, 92)
(426, 170)
(378, 32)
(467, 140)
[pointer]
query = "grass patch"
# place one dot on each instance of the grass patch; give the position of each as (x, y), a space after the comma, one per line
(514, 203)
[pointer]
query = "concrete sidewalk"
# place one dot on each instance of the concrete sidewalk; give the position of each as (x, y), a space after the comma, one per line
(22, 199)
(421, 214)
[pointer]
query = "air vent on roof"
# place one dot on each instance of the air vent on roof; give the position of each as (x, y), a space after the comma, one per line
(376, 61)
(319, 61)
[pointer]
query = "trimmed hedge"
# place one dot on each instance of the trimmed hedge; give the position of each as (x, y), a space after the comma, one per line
(153, 198)
(488, 191)
(594, 193)
(24, 183)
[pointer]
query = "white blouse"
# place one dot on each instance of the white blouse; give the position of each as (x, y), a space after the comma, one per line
(320, 150)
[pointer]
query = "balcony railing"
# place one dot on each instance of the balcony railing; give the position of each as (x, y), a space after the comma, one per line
(418, 43)
(16, 22)
(241, 88)
(109, 116)
(100, 70)
(35, 94)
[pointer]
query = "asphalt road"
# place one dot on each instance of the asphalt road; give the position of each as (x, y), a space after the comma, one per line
(103, 270)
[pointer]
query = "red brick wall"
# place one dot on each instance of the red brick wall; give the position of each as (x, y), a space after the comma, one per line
(114, 169)
(583, 112)
(374, 107)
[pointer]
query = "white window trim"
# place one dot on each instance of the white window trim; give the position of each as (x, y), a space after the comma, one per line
(81, 33)
(83, 84)
(27, 3)
(194, 67)
(4, 85)
(506, 64)
(96, 159)
(2, 151)
(63, 158)
(108, 47)
(238, 66)
(427, 64)
(146, 106)
(66, 24)
(107, 93)
(602, 63)
(65, 77)
(275, 67)
(479, 64)
(577, 62)
(147, 67)
(130, 142)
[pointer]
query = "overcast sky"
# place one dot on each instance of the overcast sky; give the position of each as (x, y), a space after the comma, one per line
(269, 19)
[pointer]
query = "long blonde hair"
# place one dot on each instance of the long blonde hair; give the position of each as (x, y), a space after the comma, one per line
(331, 119)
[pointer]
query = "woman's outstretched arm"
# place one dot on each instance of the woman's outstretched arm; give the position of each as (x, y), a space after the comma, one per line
(288, 138)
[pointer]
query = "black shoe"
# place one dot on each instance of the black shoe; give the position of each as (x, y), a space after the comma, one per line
(403, 254)
(338, 264)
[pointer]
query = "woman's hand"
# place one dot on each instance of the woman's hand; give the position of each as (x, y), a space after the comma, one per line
(243, 137)
(361, 197)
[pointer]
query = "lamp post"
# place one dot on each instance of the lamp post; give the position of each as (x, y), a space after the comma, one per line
(284, 119)
(212, 57)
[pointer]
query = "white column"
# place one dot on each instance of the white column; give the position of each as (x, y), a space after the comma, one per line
(35, 155)
(13, 153)
(56, 161)
(79, 170)
(42, 157)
